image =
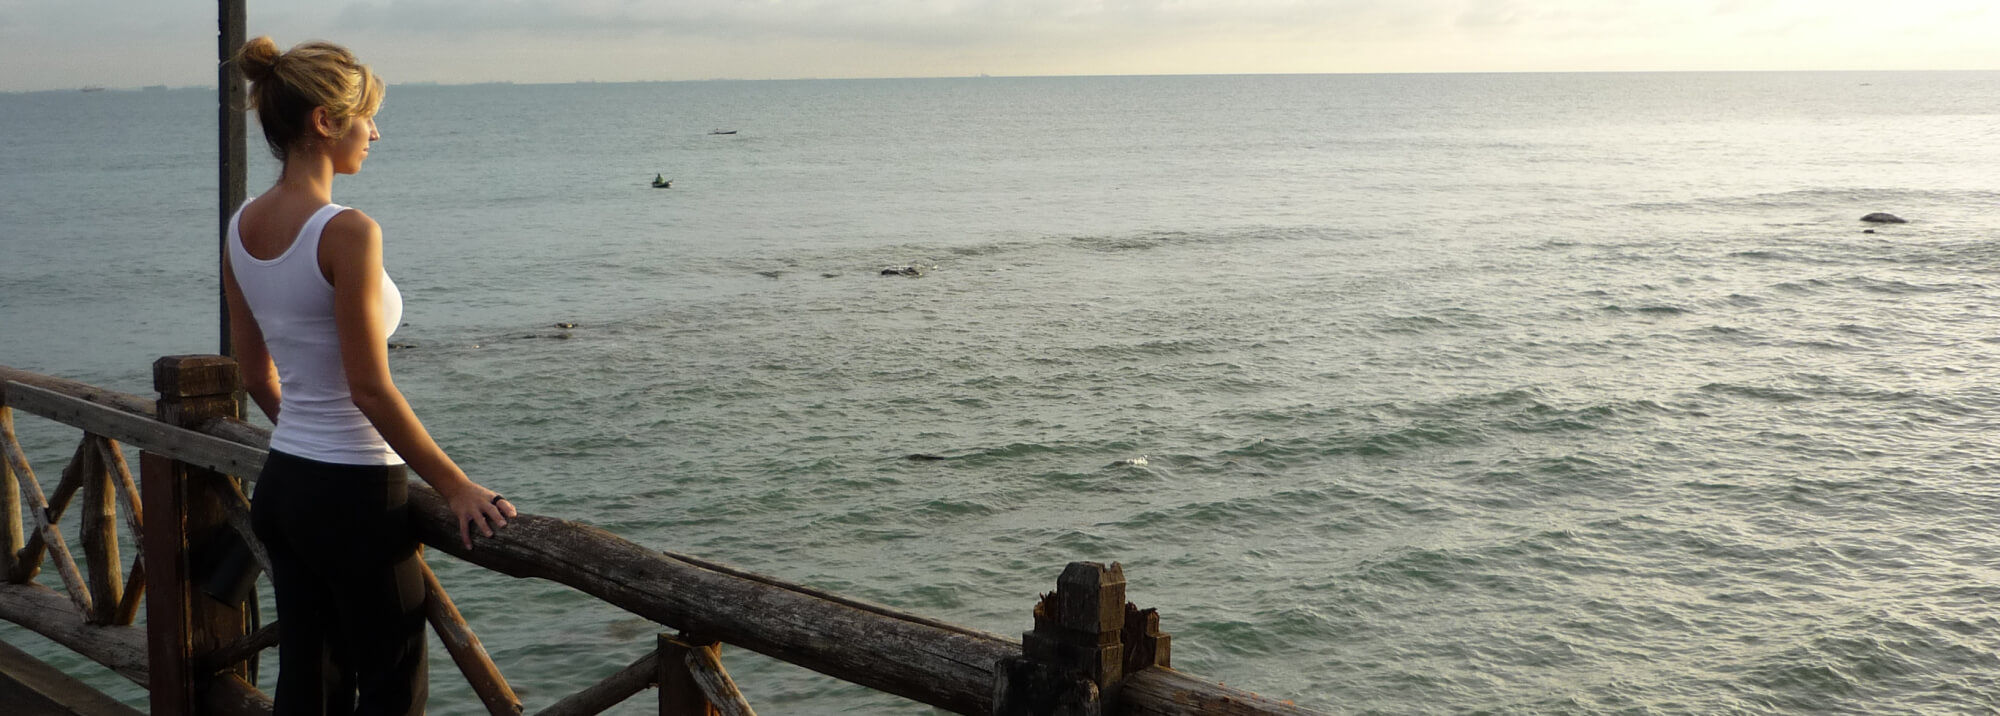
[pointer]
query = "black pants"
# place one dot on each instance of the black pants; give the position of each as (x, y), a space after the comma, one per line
(349, 588)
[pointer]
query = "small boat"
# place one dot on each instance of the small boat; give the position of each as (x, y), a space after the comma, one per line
(663, 184)
(723, 131)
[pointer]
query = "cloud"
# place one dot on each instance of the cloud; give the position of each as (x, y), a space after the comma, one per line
(912, 22)
(128, 42)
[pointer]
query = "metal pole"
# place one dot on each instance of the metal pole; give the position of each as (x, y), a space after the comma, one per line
(230, 107)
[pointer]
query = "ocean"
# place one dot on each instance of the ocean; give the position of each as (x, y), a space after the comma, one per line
(1400, 394)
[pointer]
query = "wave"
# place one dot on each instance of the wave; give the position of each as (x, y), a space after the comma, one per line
(1819, 198)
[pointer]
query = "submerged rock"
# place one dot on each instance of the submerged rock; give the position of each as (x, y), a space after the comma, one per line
(903, 271)
(1883, 217)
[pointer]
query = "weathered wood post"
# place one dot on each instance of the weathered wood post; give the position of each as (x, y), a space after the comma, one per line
(680, 694)
(1085, 641)
(184, 507)
(11, 537)
(99, 532)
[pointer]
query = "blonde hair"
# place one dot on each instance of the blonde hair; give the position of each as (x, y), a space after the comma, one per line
(284, 88)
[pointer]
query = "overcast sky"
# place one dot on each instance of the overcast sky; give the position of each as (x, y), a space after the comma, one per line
(56, 44)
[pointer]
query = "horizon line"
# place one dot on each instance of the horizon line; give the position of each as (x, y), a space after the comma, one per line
(474, 83)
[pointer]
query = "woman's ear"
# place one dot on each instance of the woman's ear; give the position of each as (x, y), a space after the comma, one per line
(323, 123)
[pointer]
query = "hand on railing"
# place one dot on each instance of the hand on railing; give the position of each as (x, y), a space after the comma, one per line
(473, 504)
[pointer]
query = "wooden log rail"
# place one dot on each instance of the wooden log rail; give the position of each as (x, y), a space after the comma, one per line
(1090, 652)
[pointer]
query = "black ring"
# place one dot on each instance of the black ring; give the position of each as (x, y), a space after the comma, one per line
(497, 499)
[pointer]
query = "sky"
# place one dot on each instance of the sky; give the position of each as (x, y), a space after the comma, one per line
(62, 44)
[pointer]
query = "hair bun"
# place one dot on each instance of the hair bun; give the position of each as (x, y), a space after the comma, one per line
(258, 58)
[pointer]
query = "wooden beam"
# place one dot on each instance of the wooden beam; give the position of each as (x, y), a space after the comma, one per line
(11, 538)
(169, 647)
(912, 656)
(878, 649)
(125, 402)
(29, 686)
(466, 650)
(228, 694)
(236, 506)
(98, 529)
(243, 649)
(680, 695)
(188, 446)
(186, 503)
(121, 649)
(29, 561)
(704, 662)
(1161, 691)
(612, 691)
(44, 523)
(128, 490)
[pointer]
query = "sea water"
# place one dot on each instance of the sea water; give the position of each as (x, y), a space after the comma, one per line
(1574, 393)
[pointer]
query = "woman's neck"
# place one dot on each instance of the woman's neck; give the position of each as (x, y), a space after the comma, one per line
(308, 173)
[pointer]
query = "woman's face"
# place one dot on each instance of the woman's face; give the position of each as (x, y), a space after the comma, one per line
(351, 149)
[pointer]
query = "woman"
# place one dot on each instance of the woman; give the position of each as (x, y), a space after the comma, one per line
(310, 312)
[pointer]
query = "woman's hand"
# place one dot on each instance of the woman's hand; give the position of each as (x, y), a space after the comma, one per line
(473, 504)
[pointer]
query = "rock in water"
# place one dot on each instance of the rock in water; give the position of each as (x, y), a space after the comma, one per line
(1883, 217)
(903, 271)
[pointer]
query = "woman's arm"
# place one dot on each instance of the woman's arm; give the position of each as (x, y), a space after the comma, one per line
(246, 344)
(351, 255)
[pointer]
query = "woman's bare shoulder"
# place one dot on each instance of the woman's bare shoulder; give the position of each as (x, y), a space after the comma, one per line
(352, 224)
(351, 241)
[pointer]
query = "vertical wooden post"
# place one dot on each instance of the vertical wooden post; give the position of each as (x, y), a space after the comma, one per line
(680, 694)
(135, 518)
(1086, 639)
(99, 530)
(11, 537)
(229, 18)
(183, 505)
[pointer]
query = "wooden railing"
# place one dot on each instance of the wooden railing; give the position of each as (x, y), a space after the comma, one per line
(1089, 652)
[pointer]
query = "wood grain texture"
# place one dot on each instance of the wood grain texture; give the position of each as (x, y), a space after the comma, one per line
(612, 691)
(704, 663)
(121, 649)
(97, 528)
(188, 446)
(465, 649)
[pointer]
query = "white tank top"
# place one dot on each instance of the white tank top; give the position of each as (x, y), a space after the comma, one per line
(293, 306)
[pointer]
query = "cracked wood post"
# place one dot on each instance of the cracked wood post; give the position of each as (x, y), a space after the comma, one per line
(680, 694)
(98, 528)
(11, 537)
(1085, 641)
(184, 507)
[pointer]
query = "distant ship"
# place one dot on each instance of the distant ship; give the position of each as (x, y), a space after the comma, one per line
(92, 88)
